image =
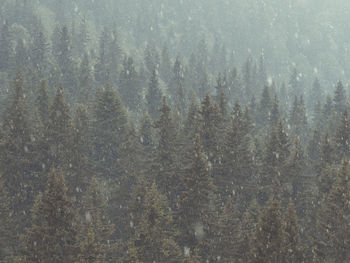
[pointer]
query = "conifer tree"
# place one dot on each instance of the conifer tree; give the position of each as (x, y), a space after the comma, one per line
(64, 60)
(154, 95)
(221, 94)
(237, 160)
(146, 131)
(165, 163)
(210, 128)
(295, 169)
(165, 65)
(101, 68)
(95, 230)
(228, 236)
(5, 48)
(197, 188)
(339, 99)
(178, 87)
(18, 159)
(8, 231)
(246, 230)
(129, 87)
(342, 136)
(267, 243)
(292, 250)
(59, 134)
(154, 240)
(127, 168)
(42, 101)
(52, 235)
(85, 80)
(275, 112)
(80, 167)
(264, 107)
(314, 147)
(333, 218)
(109, 127)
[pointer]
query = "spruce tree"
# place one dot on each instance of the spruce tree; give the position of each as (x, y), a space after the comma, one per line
(109, 127)
(339, 99)
(342, 137)
(95, 230)
(333, 218)
(85, 85)
(154, 240)
(246, 230)
(18, 159)
(154, 95)
(292, 250)
(5, 48)
(42, 101)
(58, 138)
(267, 244)
(52, 235)
(228, 236)
(8, 229)
(129, 88)
(165, 162)
(197, 188)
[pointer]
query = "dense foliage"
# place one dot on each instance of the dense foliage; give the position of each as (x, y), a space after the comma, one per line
(131, 132)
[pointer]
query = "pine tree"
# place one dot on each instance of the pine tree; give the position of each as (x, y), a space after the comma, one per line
(342, 137)
(65, 62)
(292, 250)
(228, 236)
(237, 168)
(298, 118)
(114, 56)
(325, 165)
(314, 147)
(294, 84)
(264, 107)
(127, 168)
(154, 240)
(21, 55)
(316, 92)
(165, 65)
(101, 68)
(275, 112)
(210, 128)
(58, 136)
(5, 48)
(294, 170)
(267, 243)
(129, 87)
(42, 101)
(8, 231)
(18, 159)
(221, 94)
(109, 127)
(177, 86)
(85, 85)
(95, 229)
(165, 163)
(154, 95)
(146, 131)
(52, 235)
(246, 230)
(339, 99)
(333, 218)
(197, 188)
(275, 157)
(81, 169)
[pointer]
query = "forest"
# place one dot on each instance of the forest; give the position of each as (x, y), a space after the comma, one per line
(190, 131)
